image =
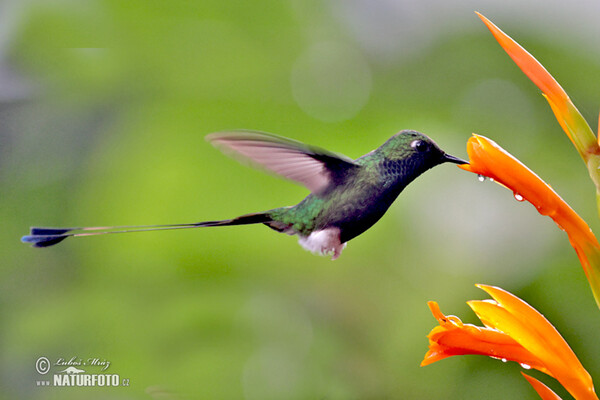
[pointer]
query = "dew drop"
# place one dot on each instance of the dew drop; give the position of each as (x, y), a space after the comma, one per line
(518, 197)
(481, 178)
(525, 366)
(504, 360)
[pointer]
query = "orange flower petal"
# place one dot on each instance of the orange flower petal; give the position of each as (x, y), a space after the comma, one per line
(528, 64)
(532, 330)
(496, 317)
(487, 158)
(544, 391)
(565, 111)
(528, 315)
(514, 331)
(454, 338)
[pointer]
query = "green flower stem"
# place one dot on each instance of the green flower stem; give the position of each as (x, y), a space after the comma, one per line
(593, 272)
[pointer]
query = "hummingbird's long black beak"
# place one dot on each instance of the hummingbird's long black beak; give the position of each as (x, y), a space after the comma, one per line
(452, 159)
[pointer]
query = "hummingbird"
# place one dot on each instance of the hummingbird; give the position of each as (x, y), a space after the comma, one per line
(346, 197)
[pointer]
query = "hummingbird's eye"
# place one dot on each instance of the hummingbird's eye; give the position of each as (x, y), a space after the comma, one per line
(419, 145)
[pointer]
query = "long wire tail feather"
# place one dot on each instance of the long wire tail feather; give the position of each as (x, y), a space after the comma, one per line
(45, 237)
(255, 218)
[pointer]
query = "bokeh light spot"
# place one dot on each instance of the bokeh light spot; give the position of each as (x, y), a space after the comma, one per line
(331, 82)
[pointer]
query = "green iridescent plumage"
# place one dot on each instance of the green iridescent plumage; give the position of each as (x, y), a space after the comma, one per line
(368, 190)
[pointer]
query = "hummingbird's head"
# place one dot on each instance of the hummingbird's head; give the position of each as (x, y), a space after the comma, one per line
(416, 150)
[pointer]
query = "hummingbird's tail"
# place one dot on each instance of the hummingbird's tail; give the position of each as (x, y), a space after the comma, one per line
(45, 237)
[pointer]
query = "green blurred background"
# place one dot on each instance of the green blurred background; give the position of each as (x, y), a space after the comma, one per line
(104, 106)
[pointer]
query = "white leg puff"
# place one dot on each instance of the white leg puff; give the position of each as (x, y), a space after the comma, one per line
(323, 242)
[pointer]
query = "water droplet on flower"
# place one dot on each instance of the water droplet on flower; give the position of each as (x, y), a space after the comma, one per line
(504, 360)
(525, 366)
(518, 197)
(481, 178)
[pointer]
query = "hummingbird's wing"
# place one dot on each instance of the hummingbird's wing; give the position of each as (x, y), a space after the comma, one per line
(315, 168)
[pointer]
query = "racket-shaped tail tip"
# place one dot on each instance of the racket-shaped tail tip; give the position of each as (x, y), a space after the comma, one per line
(43, 240)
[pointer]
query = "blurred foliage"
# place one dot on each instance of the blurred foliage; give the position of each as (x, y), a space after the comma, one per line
(107, 127)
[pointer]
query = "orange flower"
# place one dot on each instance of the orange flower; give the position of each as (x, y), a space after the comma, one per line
(566, 113)
(453, 338)
(489, 159)
(513, 331)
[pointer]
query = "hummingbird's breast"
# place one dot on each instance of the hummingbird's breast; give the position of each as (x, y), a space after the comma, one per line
(354, 206)
(356, 214)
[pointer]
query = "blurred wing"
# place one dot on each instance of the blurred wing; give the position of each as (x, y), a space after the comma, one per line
(315, 168)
